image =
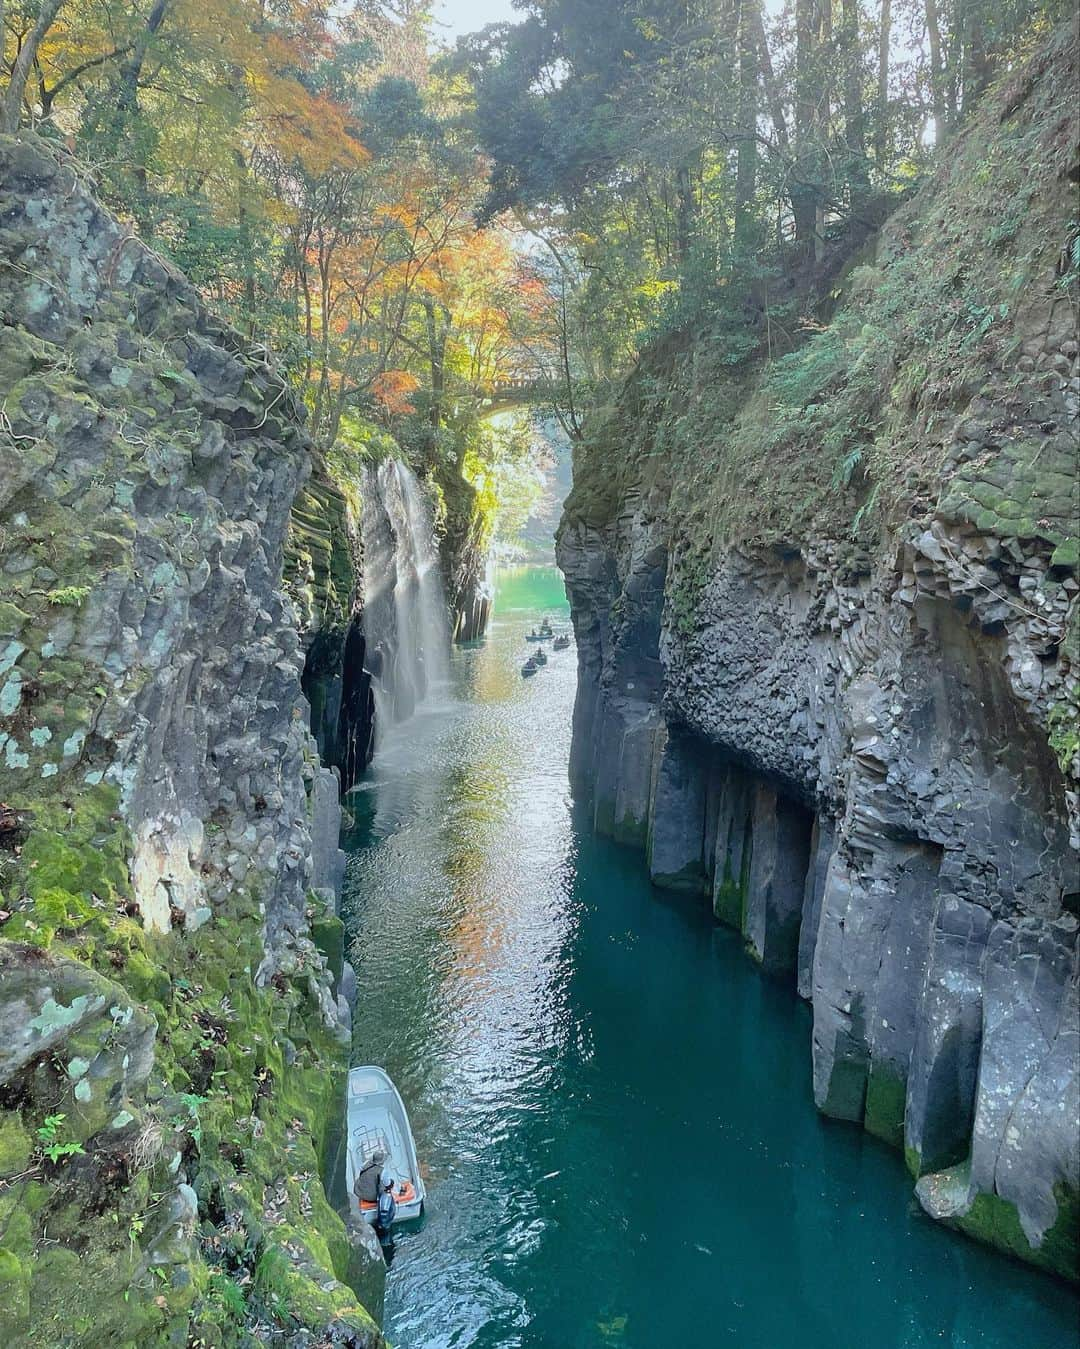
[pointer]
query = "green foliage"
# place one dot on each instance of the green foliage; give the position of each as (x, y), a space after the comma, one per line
(226, 1294)
(68, 596)
(832, 415)
(51, 1141)
(1064, 728)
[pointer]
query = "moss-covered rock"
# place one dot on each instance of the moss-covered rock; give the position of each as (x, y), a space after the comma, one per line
(169, 1055)
(15, 1144)
(948, 1196)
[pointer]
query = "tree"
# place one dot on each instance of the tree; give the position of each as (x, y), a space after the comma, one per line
(11, 111)
(882, 146)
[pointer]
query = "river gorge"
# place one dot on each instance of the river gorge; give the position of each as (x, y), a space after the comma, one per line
(729, 962)
(614, 1106)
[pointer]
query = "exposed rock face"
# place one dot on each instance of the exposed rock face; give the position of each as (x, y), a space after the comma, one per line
(325, 574)
(473, 610)
(167, 918)
(464, 550)
(324, 569)
(846, 748)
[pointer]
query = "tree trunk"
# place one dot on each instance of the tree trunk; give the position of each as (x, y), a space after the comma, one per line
(822, 118)
(801, 192)
(772, 92)
(436, 333)
(882, 129)
(746, 164)
(937, 74)
(952, 72)
(684, 212)
(977, 63)
(128, 99)
(10, 112)
(126, 111)
(854, 122)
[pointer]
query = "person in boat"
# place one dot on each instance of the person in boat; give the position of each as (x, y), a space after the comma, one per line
(384, 1217)
(368, 1184)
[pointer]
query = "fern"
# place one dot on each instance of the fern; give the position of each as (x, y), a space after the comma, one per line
(845, 469)
(64, 596)
(51, 1142)
(865, 510)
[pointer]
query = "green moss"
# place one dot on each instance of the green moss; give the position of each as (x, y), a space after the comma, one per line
(14, 1291)
(630, 829)
(1063, 722)
(320, 567)
(995, 1221)
(57, 909)
(285, 1278)
(328, 934)
(147, 980)
(188, 975)
(12, 619)
(15, 1144)
(729, 897)
(886, 1096)
(1066, 554)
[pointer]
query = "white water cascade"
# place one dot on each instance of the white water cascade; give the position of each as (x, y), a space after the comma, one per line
(405, 617)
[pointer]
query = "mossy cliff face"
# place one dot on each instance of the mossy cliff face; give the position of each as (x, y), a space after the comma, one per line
(826, 612)
(325, 575)
(464, 548)
(173, 1038)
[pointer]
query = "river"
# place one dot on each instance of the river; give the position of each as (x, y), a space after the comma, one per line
(613, 1107)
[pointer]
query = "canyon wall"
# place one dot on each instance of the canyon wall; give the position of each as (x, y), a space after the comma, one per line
(827, 623)
(172, 994)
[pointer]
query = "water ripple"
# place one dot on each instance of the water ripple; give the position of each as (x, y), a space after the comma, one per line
(613, 1108)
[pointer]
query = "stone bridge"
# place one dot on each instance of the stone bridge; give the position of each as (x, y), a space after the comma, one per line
(514, 391)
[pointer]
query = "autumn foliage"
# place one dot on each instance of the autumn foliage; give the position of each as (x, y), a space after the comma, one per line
(302, 165)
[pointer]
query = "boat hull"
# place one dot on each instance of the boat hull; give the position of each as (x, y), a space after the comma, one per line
(375, 1117)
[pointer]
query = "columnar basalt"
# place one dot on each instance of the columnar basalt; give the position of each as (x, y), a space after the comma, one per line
(169, 860)
(858, 743)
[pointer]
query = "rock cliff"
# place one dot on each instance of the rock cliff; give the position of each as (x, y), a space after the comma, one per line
(174, 1031)
(827, 623)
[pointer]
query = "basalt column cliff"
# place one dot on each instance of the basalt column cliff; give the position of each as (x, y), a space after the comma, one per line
(826, 610)
(173, 1022)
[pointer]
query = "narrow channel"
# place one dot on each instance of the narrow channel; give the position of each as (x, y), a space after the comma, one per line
(612, 1105)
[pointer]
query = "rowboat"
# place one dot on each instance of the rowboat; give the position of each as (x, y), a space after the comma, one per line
(375, 1117)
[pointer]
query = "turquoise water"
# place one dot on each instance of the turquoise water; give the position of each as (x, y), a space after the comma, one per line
(613, 1107)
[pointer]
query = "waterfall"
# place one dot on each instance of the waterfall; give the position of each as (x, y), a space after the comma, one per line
(430, 617)
(405, 618)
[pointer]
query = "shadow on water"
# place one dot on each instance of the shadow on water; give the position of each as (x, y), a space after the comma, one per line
(614, 1108)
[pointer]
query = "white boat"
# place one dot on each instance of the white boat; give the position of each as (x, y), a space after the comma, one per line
(375, 1117)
